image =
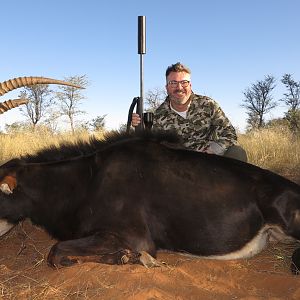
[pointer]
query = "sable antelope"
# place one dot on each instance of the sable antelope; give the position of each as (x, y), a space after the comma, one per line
(120, 200)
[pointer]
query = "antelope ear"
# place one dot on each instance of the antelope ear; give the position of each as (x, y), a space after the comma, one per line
(8, 183)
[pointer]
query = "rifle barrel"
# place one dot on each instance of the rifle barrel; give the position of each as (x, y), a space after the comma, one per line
(141, 51)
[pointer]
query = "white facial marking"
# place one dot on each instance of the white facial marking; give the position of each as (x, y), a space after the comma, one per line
(4, 187)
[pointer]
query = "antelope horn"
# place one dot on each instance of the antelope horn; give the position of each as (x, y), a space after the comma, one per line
(9, 104)
(15, 83)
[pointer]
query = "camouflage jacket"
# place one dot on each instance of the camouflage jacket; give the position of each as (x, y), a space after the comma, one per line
(204, 127)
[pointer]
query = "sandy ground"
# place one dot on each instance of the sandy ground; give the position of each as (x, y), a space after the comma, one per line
(24, 274)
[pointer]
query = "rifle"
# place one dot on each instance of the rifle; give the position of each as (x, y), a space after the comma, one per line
(147, 117)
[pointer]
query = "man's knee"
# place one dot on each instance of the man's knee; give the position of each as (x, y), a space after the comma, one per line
(236, 152)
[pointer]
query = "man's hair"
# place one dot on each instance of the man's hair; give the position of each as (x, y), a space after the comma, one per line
(178, 67)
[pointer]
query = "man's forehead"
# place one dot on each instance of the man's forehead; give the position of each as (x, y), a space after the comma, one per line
(179, 76)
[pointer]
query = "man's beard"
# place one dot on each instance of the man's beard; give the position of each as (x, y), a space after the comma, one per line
(182, 100)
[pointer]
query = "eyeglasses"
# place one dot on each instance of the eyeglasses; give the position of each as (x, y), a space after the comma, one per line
(183, 83)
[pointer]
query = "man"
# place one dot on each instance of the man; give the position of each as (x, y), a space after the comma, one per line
(199, 120)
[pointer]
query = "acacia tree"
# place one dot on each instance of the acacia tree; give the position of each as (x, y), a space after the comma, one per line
(292, 100)
(259, 101)
(70, 98)
(40, 99)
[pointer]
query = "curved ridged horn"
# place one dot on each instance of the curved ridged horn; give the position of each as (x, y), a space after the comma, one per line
(16, 83)
(9, 104)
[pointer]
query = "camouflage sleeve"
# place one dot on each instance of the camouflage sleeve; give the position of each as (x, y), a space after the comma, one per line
(223, 133)
(156, 124)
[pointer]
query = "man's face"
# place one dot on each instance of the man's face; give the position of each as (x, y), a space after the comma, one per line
(179, 93)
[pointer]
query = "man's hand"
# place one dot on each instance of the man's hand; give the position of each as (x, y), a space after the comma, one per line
(136, 120)
(209, 151)
(214, 148)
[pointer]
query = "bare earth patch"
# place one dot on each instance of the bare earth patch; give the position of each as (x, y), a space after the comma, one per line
(24, 274)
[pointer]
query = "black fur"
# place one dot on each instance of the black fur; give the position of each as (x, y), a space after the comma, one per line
(84, 148)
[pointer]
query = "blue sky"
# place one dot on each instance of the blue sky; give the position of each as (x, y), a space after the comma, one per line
(228, 45)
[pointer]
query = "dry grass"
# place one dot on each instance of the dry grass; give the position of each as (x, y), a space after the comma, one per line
(18, 144)
(274, 149)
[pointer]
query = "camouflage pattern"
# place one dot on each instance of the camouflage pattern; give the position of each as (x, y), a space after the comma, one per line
(205, 124)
